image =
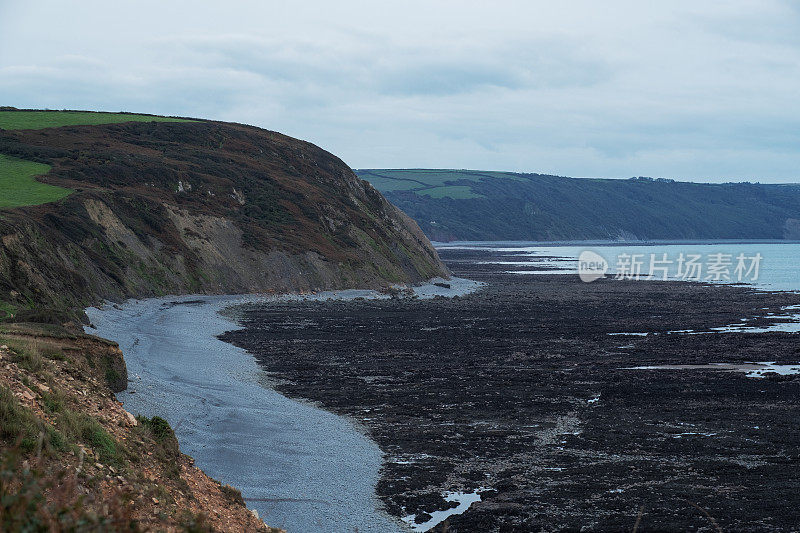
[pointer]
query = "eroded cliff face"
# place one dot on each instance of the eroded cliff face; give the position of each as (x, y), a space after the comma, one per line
(172, 208)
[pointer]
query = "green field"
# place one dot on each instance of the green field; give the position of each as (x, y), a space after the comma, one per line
(19, 188)
(36, 120)
(456, 192)
(434, 183)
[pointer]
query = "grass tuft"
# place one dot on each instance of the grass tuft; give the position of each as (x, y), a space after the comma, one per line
(86, 429)
(53, 401)
(33, 499)
(233, 494)
(166, 449)
(27, 354)
(16, 421)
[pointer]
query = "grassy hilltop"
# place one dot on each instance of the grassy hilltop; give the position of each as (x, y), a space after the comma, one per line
(484, 205)
(18, 186)
(36, 120)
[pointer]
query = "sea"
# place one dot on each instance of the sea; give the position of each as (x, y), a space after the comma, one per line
(766, 265)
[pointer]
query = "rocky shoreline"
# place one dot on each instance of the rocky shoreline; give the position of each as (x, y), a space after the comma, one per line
(523, 392)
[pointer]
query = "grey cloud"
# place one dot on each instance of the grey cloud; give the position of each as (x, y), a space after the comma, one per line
(680, 89)
(775, 22)
(387, 68)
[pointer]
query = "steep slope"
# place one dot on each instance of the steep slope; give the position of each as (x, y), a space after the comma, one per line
(177, 207)
(478, 205)
(72, 459)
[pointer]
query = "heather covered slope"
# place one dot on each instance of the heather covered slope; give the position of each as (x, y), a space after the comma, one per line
(480, 205)
(178, 207)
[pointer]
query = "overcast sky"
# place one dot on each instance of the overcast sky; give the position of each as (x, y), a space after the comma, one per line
(703, 90)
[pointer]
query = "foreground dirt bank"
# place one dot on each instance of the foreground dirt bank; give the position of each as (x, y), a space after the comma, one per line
(74, 459)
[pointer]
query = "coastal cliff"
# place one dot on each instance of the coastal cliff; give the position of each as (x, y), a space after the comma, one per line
(195, 207)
